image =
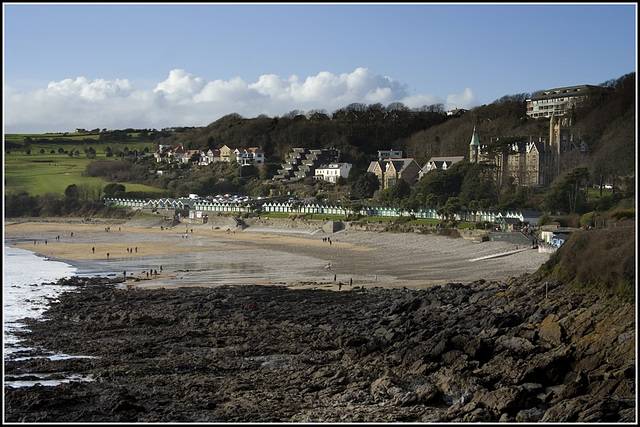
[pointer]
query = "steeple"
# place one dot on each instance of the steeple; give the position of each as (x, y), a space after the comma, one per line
(474, 147)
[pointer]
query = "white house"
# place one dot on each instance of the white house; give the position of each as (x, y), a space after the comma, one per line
(209, 157)
(250, 156)
(332, 171)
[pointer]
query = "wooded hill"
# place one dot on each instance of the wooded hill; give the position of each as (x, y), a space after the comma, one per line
(360, 130)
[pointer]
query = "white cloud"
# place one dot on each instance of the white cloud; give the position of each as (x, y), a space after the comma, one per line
(464, 99)
(179, 86)
(187, 100)
(96, 90)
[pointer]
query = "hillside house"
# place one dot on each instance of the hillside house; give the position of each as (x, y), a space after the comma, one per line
(242, 156)
(389, 171)
(332, 171)
(457, 112)
(209, 157)
(190, 155)
(389, 154)
(442, 163)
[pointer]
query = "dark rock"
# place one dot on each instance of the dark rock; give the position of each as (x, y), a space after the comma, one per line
(483, 352)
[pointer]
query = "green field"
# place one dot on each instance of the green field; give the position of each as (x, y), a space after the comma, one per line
(42, 172)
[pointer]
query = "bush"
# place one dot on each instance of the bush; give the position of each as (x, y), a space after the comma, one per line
(588, 219)
(624, 214)
(544, 220)
(601, 259)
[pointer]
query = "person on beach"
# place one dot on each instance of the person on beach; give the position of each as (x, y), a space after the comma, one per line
(107, 255)
(93, 249)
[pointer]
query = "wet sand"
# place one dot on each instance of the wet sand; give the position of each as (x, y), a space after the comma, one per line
(201, 255)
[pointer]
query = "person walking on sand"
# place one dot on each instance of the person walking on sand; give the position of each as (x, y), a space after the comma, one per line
(107, 255)
(93, 249)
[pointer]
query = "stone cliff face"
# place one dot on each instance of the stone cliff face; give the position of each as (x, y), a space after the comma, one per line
(524, 350)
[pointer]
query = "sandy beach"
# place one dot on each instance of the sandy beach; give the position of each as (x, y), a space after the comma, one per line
(203, 255)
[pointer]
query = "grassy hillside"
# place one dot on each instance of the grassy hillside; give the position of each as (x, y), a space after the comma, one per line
(603, 260)
(41, 171)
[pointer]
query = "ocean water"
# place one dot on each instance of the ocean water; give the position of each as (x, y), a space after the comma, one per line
(26, 291)
(28, 285)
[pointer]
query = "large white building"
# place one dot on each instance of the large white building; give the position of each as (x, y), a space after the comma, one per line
(560, 101)
(332, 171)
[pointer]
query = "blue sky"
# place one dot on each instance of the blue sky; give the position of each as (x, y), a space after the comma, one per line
(146, 65)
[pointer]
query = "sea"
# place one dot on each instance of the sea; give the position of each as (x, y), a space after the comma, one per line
(28, 283)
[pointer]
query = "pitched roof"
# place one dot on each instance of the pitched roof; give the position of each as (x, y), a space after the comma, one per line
(474, 139)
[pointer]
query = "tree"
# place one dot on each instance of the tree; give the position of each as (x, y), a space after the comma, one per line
(365, 186)
(91, 153)
(72, 191)
(450, 208)
(114, 190)
(570, 195)
(478, 185)
(400, 190)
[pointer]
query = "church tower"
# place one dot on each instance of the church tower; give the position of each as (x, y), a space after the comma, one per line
(474, 147)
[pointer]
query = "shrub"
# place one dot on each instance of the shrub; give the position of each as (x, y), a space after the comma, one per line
(599, 259)
(588, 219)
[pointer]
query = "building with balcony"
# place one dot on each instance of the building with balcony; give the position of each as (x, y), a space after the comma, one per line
(560, 101)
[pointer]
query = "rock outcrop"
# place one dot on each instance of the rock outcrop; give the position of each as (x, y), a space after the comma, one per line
(523, 350)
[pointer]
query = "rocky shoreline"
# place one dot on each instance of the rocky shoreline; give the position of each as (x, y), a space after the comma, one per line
(520, 350)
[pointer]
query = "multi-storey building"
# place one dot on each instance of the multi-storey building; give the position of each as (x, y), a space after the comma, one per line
(532, 161)
(560, 101)
(390, 171)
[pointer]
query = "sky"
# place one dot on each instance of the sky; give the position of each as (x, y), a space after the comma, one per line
(161, 65)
